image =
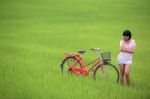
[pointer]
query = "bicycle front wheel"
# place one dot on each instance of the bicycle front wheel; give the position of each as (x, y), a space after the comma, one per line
(107, 72)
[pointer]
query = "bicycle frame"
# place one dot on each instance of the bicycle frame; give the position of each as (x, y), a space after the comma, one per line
(95, 63)
(83, 69)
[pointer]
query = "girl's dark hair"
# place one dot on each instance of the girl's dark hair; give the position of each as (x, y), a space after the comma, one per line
(127, 33)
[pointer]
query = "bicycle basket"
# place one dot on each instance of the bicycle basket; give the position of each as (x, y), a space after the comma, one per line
(106, 56)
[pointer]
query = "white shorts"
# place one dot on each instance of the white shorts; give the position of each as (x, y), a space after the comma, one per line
(124, 58)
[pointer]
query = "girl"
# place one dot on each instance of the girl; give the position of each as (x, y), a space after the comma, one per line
(127, 48)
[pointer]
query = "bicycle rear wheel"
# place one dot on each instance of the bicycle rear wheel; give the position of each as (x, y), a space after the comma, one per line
(106, 72)
(67, 63)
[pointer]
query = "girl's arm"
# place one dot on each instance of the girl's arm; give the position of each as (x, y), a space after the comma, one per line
(129, 50)
(122, 46)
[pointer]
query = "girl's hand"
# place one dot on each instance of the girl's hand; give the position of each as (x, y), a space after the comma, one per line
(123, 50)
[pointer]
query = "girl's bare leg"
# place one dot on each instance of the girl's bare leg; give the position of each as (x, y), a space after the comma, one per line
(127, 70)
(122, 72)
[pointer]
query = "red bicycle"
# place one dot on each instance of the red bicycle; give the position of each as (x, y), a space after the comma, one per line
(101, 67)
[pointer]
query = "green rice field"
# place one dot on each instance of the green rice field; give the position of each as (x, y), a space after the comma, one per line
(35, 34)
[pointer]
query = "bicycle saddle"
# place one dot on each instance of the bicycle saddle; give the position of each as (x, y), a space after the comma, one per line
(95, 49)
(81, 51)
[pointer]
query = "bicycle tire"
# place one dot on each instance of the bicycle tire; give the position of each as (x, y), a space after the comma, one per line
(113, 67)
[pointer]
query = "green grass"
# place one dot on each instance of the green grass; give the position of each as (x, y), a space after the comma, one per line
(34, 34)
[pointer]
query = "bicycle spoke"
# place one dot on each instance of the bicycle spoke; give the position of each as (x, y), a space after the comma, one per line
(107, 73)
